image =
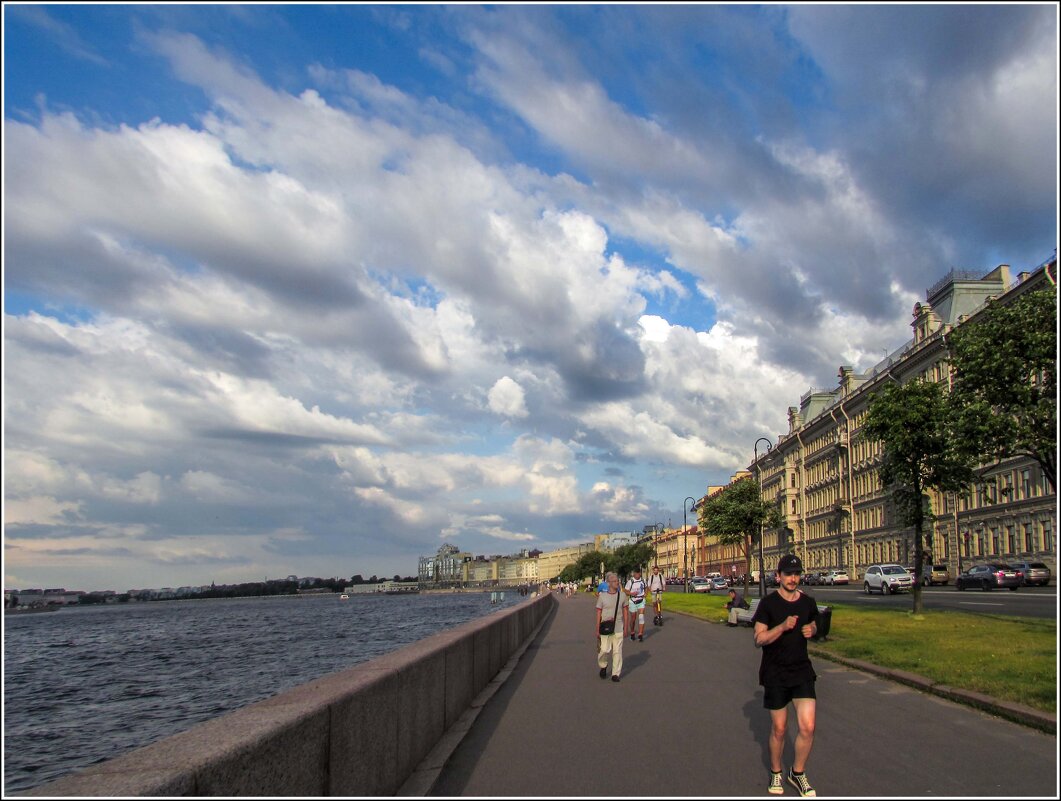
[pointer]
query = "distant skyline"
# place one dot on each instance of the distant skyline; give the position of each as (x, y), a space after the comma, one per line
(299, 289)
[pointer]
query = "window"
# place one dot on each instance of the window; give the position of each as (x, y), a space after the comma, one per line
(1026, 483)
(1011, 540)
(1029, 541)
(1047, 543)
(994, 540)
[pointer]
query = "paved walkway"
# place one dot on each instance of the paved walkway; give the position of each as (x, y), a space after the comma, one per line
(687, 720)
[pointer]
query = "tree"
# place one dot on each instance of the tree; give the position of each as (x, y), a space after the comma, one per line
(919, 453)
(627, 557)
(735, 516)
(1005, 382)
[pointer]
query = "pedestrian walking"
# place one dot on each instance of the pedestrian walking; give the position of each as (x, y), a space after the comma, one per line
(635, 588)
(784, 621)
(611, 628)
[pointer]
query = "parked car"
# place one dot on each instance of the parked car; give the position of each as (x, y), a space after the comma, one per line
(935, 574)
(812, 578)
(886, 579)
(1035, 573)
(719, 583)
(834, 577)
(699, 584)
(989, 576)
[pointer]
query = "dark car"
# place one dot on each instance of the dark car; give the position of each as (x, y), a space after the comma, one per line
(1033, 573)
(988, 577)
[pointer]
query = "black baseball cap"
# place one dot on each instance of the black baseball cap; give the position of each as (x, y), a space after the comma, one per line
(790, 563)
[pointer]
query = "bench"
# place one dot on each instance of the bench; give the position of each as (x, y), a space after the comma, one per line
(825, 615)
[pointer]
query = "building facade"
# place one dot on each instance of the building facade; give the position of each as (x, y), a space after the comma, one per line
(446, 567)
(824, 476)
(550, 563)
(676, 552)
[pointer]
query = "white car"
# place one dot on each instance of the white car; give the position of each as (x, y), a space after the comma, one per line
(887, 579)
(834, 577)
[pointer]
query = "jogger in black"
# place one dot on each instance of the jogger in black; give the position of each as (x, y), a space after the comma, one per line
(784, 621)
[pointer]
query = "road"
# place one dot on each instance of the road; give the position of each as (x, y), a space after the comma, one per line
(687, 720)
(1025, 602)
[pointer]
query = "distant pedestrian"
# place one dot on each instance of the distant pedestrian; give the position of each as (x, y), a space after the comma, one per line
(736, 602)
(784, 621)
(611, 627)
(602, 586)
(635, 588)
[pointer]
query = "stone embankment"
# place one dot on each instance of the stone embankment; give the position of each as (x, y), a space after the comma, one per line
(359, 732)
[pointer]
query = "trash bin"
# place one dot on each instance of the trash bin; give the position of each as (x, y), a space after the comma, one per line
(825, 620)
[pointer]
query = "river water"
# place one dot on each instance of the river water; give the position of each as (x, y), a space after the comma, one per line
(86, 684)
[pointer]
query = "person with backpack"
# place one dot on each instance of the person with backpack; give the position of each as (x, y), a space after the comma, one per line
(657, 586)
(635, 588)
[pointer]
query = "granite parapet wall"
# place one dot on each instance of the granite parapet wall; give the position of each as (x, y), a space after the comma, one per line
(358, 732)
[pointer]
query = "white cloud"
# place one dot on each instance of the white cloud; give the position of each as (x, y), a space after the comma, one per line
(506, 398)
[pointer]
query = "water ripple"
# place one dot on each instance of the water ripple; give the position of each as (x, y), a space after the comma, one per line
(94, 682)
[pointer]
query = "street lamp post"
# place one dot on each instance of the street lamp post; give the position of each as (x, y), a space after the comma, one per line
(762, 573)
(685, 542)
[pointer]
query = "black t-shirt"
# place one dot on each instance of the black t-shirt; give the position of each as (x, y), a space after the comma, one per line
(785, 661)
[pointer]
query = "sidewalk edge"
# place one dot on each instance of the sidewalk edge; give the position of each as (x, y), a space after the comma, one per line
(1010, 710)
(423, 779)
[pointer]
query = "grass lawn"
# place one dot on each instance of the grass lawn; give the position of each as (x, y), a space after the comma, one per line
(1010, 658)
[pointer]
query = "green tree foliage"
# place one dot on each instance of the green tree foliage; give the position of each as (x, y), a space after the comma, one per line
(1005, 381)
(587, 566)
(734, 517)
(912, 424)
(622, 561)
(627, 557)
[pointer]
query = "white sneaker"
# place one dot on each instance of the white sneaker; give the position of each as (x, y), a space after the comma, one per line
(800, 783)
(775, 788)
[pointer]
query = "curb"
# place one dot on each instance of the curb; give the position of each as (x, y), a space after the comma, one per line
(422, 780)
(1010, 710)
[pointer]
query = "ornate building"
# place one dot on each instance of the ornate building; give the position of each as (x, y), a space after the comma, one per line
(823, 475)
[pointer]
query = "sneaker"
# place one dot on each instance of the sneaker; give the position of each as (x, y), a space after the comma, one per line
(640, 637)
(615, 678)
(633, 637)
(775, 788)
(799, 781)
(604, 673)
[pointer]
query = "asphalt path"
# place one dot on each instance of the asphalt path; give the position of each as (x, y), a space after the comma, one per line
(687, 720)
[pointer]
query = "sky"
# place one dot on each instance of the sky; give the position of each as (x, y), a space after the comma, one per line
(313, 290)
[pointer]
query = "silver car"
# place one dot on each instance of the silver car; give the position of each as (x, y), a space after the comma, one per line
(1035, 573)
(887, 579)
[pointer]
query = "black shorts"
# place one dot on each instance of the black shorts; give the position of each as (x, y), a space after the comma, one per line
(777, 697)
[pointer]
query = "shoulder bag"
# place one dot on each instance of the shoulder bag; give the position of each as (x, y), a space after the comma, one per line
(608, 626)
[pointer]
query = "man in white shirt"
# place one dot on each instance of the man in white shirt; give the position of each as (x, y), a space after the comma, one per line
(635, 588)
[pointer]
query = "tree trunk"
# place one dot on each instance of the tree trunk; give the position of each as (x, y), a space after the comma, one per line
(918, 556)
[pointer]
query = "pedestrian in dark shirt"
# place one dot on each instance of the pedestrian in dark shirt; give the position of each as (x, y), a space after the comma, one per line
(736, 601)
(784, 621)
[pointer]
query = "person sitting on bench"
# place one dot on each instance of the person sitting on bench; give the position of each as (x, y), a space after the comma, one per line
(736, 601)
